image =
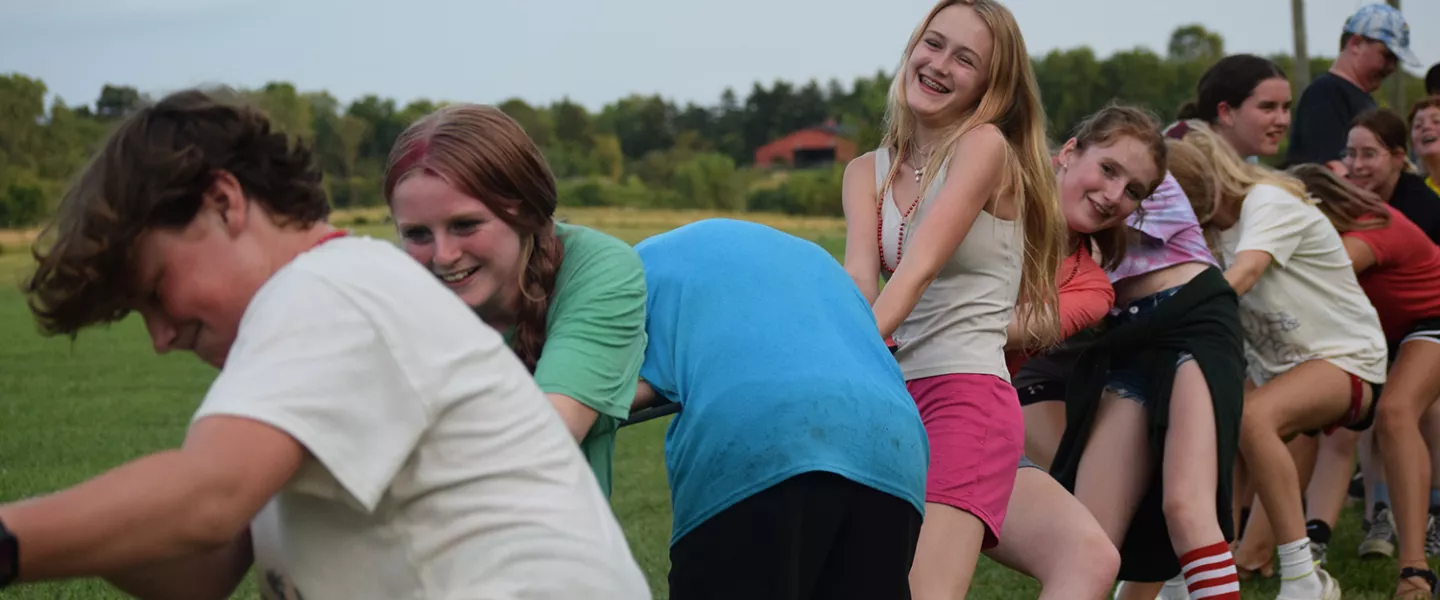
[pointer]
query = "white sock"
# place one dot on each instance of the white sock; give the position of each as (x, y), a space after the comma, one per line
(1297, 571)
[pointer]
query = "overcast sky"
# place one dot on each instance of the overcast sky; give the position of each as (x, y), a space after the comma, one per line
(593, 51)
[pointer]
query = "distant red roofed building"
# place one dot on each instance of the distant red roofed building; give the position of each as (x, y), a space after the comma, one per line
(810, 147)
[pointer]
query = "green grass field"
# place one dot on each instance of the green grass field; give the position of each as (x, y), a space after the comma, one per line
(71, 410)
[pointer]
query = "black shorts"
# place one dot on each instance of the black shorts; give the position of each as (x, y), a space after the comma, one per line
(816, 535)
(1042, 378)
(1427, 330)
(1034, 391)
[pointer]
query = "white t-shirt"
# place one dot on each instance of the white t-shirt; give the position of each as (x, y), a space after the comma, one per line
(1308, 304)
(437, 468)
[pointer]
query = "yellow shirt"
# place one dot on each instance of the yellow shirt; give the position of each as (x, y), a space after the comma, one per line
(1430, 181)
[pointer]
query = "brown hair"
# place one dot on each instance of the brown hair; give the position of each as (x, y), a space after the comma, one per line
(1344, 204)
(153, 172)
(1234, 177)
(1232, 80)
(1422, 104)
(1387, 126)
(487, 155)
(1103, 129)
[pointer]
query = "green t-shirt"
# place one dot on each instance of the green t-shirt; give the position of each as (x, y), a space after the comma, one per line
(595, 336)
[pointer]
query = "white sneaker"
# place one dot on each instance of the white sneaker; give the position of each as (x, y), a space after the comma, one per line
(1332, 587)
(1175, 589)
(1329, 588)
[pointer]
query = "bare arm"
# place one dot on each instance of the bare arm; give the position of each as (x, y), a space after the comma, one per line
(163, 507)
(862, 253)
(1249, 266)
(210, 575)
(645, 396)
(1360, 253)
(578, 417)
(968, 187)
(1079, 309)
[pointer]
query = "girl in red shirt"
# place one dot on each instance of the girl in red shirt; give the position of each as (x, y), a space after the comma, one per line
(1397, 266)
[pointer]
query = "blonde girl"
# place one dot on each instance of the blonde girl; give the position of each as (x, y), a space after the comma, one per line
(1315, 348)
(958, 211)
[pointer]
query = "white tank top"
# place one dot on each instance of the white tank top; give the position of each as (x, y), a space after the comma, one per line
(959, 325)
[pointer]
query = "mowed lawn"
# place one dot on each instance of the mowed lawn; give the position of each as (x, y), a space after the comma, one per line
(71, 410)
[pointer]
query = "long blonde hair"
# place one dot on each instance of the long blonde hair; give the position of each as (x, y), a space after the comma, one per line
(1196, 175)
(1233, 176)
(1011, 103)
(1346, 205)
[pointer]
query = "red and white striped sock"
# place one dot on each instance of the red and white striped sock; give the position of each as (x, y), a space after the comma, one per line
(1210, 573)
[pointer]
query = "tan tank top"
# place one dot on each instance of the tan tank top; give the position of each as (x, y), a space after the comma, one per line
(959, 325)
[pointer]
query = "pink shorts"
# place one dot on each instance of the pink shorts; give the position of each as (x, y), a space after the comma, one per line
(977, 436)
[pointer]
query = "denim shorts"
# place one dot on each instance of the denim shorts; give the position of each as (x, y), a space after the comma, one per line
(1126, 378)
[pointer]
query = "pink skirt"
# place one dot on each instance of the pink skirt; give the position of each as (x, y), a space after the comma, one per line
(977, 436)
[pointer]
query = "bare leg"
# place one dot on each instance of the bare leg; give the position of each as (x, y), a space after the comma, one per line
(1110, 494)
(946, 553)
(1255, 553)
(1334, 466)
(1430, 429)
(1256, 549)
(1311, 395)
(1050, 536)
(1044, 425)
(1412, 387)
(1118, 437)
(1304, 450)
(1191, 463)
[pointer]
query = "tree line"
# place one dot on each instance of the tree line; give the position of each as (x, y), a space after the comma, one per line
(640, 151)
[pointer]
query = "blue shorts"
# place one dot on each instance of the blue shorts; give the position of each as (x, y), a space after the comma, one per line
(1127, 381)
(1126, 378)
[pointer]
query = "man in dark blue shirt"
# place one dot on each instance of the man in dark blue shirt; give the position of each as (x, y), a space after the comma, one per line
(1374, 41)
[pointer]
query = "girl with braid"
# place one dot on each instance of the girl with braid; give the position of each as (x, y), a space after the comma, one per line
(474, 201)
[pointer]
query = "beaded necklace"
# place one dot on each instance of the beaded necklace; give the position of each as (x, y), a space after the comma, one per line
(904, 219)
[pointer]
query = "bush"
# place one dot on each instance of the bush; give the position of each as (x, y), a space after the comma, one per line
(22, 204)
(709, 181)
(809, 192)
(712, 182)
(601, 191)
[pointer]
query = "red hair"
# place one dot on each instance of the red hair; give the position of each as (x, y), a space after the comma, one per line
(487, 155)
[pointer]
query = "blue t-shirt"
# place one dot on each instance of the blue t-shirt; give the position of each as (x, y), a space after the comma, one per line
(774, 356)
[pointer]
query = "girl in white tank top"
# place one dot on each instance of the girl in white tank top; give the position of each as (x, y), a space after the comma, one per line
(985, 234)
